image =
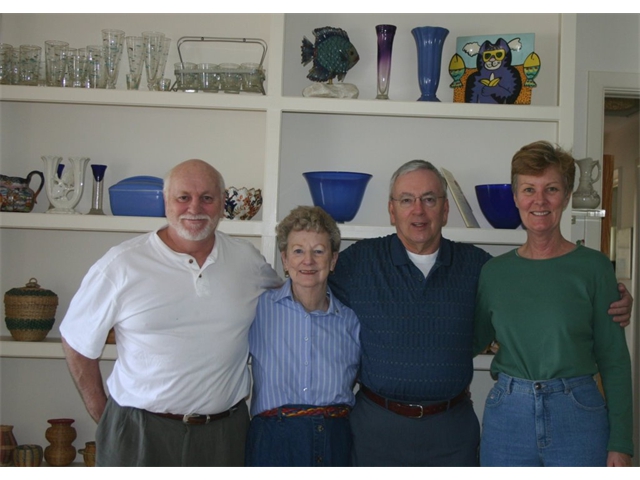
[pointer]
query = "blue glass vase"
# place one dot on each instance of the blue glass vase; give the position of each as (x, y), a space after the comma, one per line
(98, 185)
(429, 42)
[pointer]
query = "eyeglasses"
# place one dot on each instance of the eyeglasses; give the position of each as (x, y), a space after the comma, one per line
(408, 201)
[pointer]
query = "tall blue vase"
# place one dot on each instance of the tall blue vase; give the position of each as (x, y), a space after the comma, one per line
(429, 42)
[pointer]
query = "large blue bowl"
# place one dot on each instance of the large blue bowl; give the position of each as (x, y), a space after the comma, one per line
(497, 205)
(338, 193)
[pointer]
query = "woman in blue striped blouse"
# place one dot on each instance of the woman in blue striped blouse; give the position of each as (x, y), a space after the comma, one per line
(305, 351)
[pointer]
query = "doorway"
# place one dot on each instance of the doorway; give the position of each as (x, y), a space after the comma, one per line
(607, 134)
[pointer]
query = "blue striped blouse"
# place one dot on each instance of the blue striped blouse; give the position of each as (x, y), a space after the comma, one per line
(300, 357)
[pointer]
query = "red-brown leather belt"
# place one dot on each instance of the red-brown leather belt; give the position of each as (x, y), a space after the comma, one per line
(332, 411)
(197, 418)
(413, 410)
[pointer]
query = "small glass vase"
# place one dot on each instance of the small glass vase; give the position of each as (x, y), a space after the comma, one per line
(98, 187)
(385, 35)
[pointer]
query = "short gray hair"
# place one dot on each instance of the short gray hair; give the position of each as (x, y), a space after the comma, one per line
(412, 166)
(309, 219)
(167, 178)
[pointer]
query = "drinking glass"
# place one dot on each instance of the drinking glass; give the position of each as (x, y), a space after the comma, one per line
(113, 42)
(252, 77)
(186, 78)
(153, 42)
(208, 77)
(95, 67)
(166, 45)
(55, 57)
(75, 68)
(230, 78)
(29, 64)
(6, 63)
(135, 53)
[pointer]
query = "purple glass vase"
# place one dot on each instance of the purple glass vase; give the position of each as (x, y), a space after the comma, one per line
(385, 35)
(429, 42)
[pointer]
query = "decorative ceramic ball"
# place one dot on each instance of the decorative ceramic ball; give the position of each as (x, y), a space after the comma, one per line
(242, 203)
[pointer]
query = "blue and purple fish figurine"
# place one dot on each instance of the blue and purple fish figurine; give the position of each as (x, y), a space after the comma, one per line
(332, 54)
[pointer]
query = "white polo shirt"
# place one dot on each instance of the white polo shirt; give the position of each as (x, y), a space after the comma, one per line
(182, 330)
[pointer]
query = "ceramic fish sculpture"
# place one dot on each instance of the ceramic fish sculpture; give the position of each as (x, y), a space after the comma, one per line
(332, 54)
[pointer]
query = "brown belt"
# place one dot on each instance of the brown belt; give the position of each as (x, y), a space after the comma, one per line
(333, 411)
(414, 410)
(197, 418)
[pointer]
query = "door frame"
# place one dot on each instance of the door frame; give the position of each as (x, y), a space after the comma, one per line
(618, 84)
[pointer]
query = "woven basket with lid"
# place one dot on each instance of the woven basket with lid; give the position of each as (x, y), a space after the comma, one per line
(30, 311)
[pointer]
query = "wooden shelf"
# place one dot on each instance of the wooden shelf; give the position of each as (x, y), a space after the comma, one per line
(52, 348)
(47, 348)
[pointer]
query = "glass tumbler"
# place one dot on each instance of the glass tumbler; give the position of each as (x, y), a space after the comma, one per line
(230, 78)
(6, 63)
(29, 65)
(208, 77)
(95, 67)
(55, 58)
(252, 77)
(186, 76)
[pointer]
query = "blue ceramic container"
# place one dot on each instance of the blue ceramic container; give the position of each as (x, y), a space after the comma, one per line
(497, 205)
(338, 193)
(137, 196)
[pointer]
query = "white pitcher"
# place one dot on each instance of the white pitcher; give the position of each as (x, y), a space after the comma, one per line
(585, 195)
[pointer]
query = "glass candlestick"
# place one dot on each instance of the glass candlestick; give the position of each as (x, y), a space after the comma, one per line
(385, 35)
(98, 185)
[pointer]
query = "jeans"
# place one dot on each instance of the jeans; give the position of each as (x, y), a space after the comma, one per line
(305, 441)
(558, 422)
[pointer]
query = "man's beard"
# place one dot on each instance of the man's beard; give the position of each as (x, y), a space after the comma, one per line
(196, 236)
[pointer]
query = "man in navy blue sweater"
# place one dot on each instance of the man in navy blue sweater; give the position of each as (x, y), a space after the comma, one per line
(414, 294)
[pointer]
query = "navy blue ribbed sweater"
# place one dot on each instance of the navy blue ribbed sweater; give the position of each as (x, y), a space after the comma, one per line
(416, 333)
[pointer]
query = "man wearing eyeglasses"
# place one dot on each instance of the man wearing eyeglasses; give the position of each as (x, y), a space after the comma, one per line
(414, 294)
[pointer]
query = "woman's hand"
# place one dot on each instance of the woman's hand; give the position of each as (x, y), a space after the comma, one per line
(617, 459)
(621, 310)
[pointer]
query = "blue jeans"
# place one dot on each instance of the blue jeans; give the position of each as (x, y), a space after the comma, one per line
(554, 423)
(308, 441)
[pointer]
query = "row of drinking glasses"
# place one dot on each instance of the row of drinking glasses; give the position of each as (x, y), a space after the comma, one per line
(96, 66)
(210, 77)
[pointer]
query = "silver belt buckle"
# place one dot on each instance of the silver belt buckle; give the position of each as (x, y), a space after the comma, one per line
(186, 417)
(421, 410)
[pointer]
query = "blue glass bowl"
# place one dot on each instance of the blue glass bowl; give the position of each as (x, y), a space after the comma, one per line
(497, 205)
(338, 193)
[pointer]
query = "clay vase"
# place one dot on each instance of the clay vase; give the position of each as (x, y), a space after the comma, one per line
(27, 456)
(7, 445)
(60, 435)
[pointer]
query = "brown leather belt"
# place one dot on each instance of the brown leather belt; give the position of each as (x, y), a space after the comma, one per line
(197, 418)
(414, 410)
(332, 411)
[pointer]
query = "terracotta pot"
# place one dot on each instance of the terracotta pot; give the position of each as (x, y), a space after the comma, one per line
(61, 435)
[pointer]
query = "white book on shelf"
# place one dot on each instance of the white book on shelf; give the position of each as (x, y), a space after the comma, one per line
(461, 201)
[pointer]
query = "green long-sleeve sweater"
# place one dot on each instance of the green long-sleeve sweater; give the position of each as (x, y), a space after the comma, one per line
(550, 319)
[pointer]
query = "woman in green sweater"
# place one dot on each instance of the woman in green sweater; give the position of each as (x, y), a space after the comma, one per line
(546, 305)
